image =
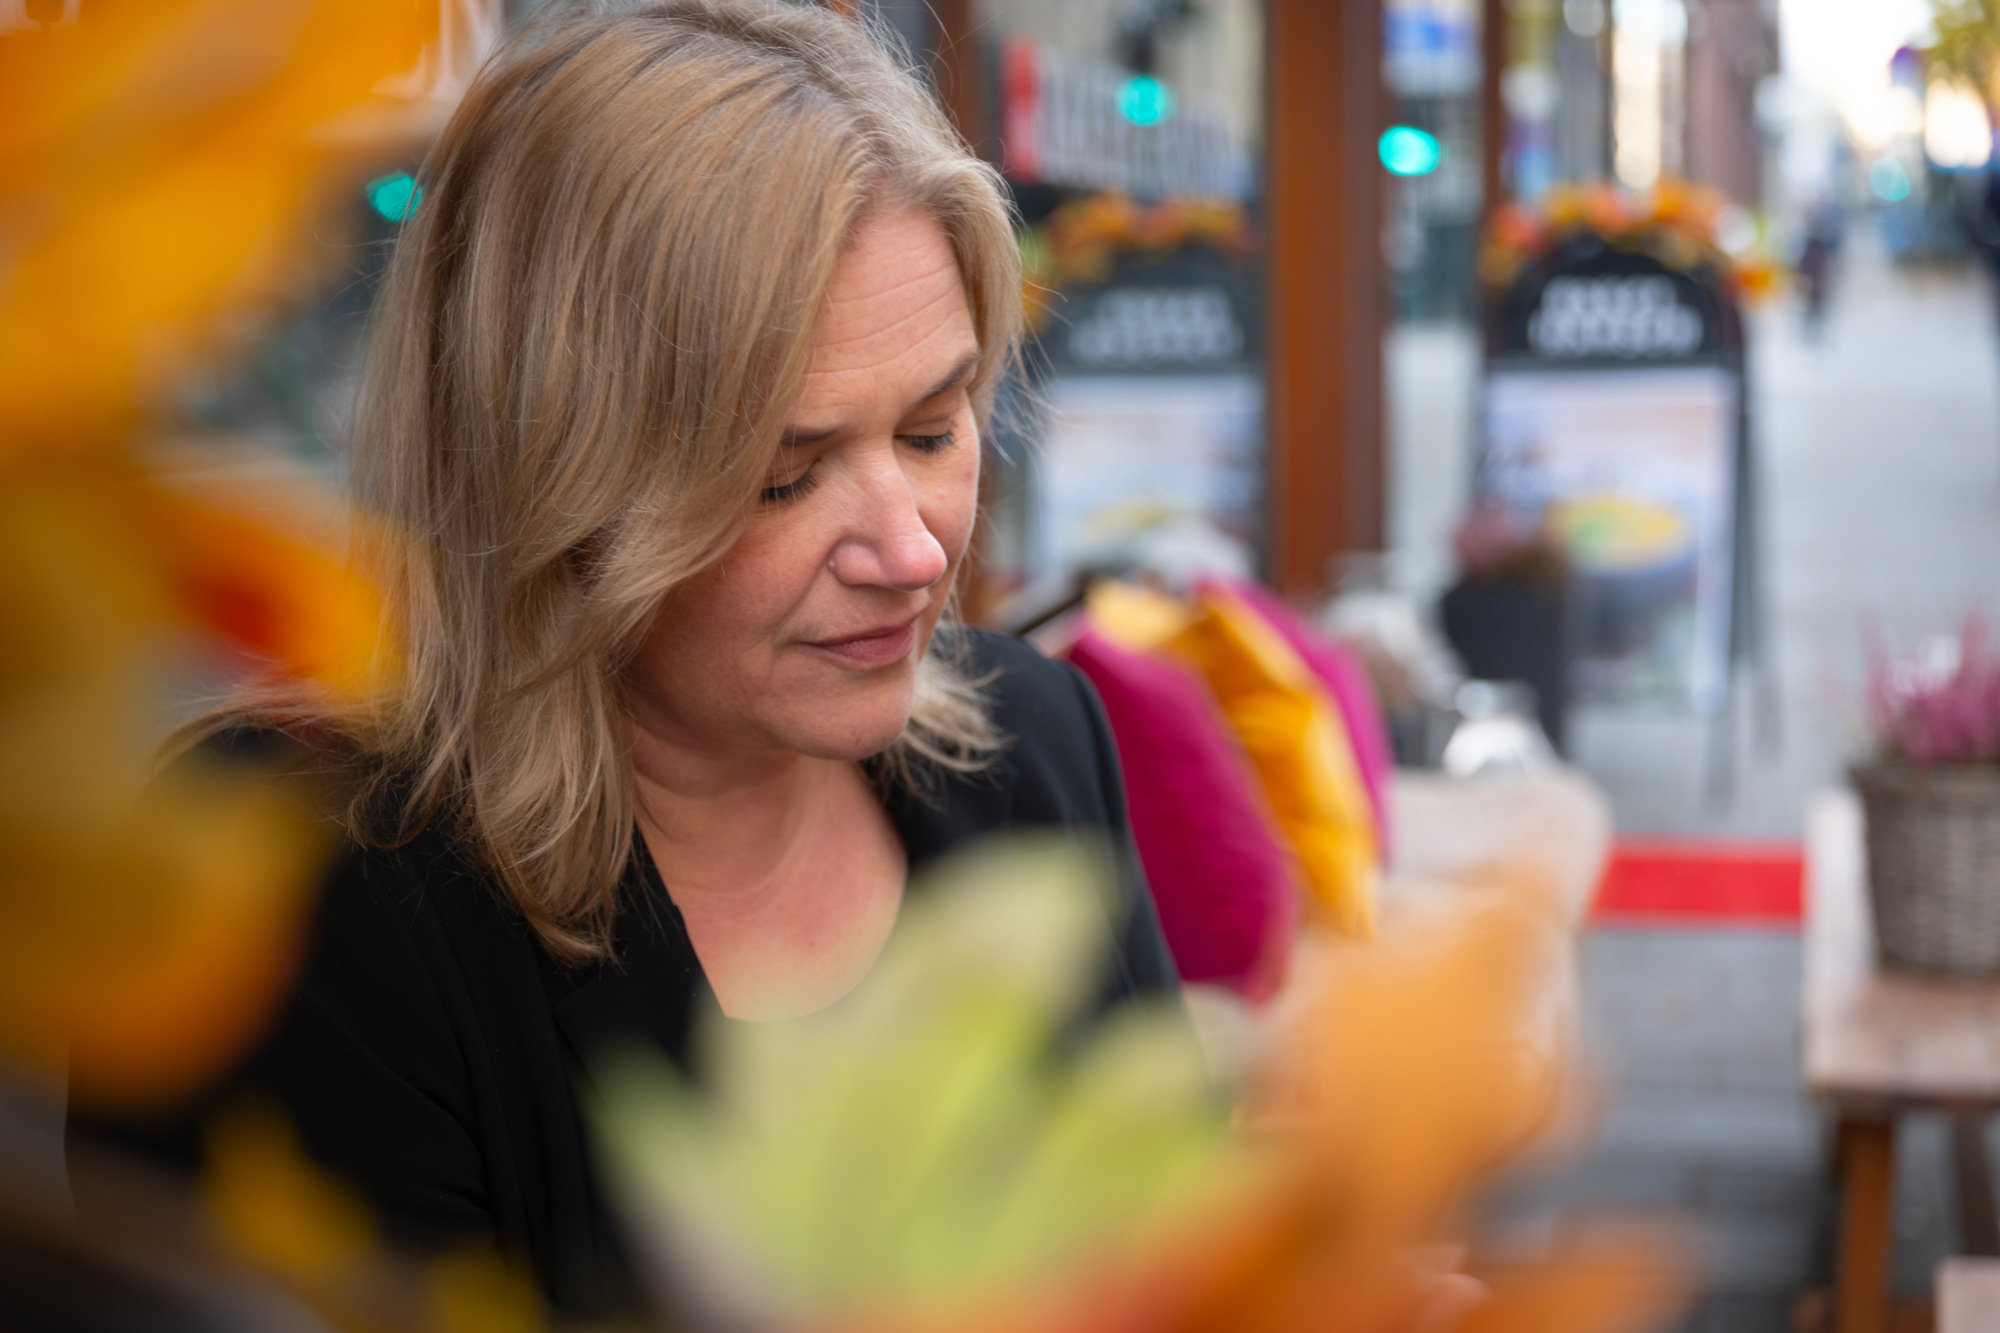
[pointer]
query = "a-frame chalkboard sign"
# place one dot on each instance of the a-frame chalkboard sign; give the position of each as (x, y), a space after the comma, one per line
(1613, 411)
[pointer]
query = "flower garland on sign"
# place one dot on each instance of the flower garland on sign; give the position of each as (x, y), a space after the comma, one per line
(1687, 227)
(1083, 240)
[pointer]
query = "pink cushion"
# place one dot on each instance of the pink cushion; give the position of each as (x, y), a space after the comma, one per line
(1343, 677)
(1217, 870)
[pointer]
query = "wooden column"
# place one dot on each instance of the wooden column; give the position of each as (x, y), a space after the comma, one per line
(1326, 285)
(1492, 106)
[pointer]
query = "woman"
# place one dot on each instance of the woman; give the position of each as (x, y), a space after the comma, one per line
(676, 390)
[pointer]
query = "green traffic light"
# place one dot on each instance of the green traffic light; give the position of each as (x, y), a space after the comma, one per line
(395, 196)
(1144, 100)
(1408, 151)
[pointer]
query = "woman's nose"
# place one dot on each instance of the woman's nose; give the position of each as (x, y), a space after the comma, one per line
(889, 545)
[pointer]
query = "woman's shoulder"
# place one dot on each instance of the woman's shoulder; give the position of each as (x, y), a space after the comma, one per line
(1059, 771)
(379, 864)
(1054, 767)
(1033, 698)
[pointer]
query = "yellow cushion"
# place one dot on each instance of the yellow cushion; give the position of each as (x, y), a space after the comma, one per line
(1289, 728)
(1137, 619)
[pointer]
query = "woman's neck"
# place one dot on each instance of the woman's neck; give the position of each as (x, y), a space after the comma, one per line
(785, 869)
(732, 812)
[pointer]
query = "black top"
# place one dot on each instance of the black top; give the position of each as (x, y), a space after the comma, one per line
(432, 1052)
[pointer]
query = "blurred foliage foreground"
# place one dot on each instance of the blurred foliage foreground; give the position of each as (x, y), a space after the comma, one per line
(940, 1149)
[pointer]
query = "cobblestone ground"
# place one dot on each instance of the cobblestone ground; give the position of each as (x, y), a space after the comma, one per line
(1880, 449)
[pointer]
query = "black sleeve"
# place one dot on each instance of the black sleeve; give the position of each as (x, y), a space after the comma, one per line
(364, 1066)
(368, 1065)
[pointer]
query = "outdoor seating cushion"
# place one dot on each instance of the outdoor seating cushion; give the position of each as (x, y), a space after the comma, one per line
(1219, 875)
(1284, 720)
(1345, 680)
(1296, 741)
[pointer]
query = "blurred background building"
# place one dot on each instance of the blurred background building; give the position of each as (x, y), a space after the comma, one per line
(1253, 234)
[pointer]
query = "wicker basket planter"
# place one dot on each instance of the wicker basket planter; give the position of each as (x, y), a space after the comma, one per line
(1934, 865)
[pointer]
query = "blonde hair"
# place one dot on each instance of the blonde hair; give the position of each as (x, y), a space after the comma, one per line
(583, 356)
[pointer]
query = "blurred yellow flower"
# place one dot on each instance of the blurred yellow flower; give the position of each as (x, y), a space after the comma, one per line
(922, 1142)
(279, 1209)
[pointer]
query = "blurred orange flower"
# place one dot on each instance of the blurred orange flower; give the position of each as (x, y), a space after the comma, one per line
(1677, 223)
(283, 602)
(282, 1214)
(1605, 210)
(1082, 241)
(148, 923)
(159, 165)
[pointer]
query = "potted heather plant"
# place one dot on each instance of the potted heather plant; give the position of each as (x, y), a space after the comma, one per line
(1932, 796)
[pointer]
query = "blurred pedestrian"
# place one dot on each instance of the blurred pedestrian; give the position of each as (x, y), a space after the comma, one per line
(1814, 269)
(1978, 208)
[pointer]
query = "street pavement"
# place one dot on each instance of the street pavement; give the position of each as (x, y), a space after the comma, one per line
(1878, 444)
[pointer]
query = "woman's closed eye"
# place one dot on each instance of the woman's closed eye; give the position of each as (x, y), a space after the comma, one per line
(931, 444)
(800, 483)
(780, 492)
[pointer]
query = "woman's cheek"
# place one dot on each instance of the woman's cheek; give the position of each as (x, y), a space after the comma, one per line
(765, 577)
(957, 505)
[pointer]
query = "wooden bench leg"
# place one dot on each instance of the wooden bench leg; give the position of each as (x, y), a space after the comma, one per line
(1867, 1153)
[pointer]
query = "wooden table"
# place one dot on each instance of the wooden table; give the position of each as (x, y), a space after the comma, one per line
(1878, 1044)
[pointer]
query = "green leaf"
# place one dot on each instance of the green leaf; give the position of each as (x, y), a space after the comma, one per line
(939, 1128)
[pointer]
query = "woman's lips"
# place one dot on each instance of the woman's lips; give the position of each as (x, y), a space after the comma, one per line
(873, 648)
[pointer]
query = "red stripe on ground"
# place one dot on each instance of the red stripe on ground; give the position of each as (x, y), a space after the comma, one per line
(1668, 883)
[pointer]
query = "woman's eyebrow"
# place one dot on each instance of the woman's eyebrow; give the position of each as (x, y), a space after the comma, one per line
(801, 439)
(958, 376)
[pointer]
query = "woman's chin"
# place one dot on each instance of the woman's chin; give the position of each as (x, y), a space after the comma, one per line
(851, 749)
(837, 715)
(851, 734)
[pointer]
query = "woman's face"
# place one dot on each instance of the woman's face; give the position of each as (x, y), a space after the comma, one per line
(805, 637)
